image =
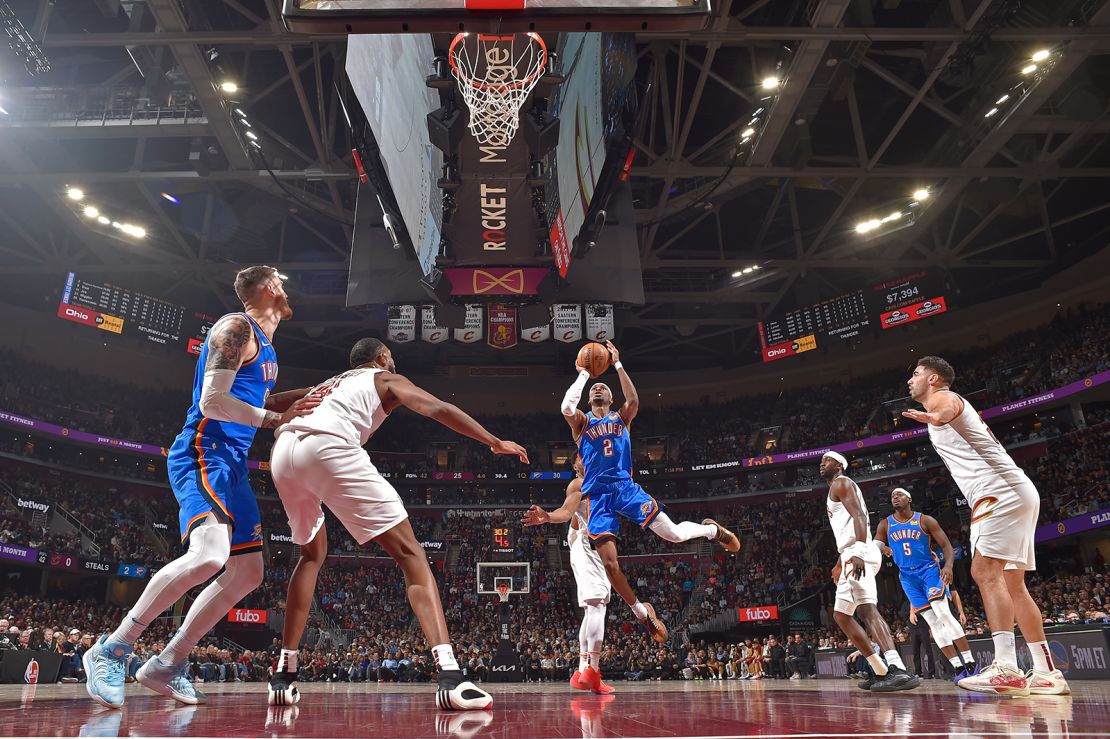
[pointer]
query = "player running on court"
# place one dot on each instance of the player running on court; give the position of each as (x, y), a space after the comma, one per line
(1004, 507)
(854, 575)
(220, 524)
(605, 447)
(319, 459)
(908, 537)
(589, 575)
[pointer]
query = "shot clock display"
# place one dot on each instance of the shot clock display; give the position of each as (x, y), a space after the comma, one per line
(504, 542)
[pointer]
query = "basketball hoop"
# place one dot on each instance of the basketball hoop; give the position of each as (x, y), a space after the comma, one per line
(503, 592)
(496, 74)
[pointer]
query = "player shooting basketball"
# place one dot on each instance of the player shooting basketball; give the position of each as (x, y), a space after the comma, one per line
(605, 447)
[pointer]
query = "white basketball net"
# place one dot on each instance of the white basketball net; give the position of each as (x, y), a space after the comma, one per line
(496, 74)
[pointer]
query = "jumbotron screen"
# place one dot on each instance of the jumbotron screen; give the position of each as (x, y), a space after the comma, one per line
(125, 312)
(889, 304)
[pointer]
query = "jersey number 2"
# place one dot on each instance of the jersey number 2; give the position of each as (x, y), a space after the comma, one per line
(607, 447)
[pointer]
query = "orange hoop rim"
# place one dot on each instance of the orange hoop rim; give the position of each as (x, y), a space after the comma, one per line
(466, 79)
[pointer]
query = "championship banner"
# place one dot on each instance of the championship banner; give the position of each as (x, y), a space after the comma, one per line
(429, 331)
(536, 334)
(568, 323)
(402, 323)
(502, 326)
(472, 327)
(495, 280)
(599, 322)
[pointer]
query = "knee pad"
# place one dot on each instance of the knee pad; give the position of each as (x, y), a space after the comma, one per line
(946, 621)
(940, 631)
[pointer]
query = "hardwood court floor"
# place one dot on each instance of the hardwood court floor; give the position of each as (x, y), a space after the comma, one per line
(693, 710)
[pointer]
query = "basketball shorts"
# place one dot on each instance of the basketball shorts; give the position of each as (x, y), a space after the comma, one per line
(1004, 523)
(923, 586)
(604, 503)
(209, 477)
(589, 572)
(850, 592)
(314, 469)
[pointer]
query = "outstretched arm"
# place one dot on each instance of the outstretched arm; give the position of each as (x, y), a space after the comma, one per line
(451, 416)
(631, 405)
(279, 402)
(944, 407)
(536, 516)
(574, 417)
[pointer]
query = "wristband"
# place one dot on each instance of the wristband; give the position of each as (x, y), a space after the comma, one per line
(617, 365)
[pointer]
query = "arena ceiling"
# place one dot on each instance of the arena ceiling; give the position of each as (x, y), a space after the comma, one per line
(877, 99)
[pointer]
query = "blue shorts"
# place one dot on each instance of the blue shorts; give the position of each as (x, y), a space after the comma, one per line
(604, 503)
(923, 586)
(208, 477)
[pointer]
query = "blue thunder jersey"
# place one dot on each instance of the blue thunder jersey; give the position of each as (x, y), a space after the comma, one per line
(253, 383)
(911, 547)
(606, 450)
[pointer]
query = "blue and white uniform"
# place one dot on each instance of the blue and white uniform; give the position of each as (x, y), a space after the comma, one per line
(918, 566)
(608, 491)
(208, 460)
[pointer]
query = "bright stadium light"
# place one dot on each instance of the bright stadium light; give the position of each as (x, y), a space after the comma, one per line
(1040, 55)
(770, 83)
(91, 212)
(1002, 99)
(75, 193)
(229, 87)
(921, 194)
(748, 133)
(1029, 69)
(251, 135)
(737, 273)
(103, 220)
(990, 112)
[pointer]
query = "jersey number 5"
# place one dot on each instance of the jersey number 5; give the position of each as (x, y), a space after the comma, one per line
(906, 549)
(607, 447)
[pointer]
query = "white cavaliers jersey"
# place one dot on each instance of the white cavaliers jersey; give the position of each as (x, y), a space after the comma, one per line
(977, 461)
(350, 409)
(841, 521)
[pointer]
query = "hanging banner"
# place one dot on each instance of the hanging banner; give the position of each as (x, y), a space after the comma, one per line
(402, 323)
(599, 322)
(429, 331)
(502, 326)
(568, 323)
(537, 334)
(472, 327)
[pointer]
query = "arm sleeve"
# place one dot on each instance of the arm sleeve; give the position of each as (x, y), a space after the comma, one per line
(217, 402)
(574, 394)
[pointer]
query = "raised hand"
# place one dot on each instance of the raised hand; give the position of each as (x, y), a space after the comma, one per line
(510, 447)
(535, 516)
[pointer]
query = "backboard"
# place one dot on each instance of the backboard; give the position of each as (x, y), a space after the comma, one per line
(489, 574)
(493, 16)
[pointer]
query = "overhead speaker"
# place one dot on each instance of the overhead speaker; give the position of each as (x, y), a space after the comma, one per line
(437, 287)
(450, 315)
(445, 129)
(541, 137)
(537, 314)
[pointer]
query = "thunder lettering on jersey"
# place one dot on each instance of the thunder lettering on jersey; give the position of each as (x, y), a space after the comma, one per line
(911, 547)
(606, 450)
(253, 383)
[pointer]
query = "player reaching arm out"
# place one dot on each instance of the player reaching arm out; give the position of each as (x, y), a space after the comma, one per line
(940, 408)
(536, 516)
(631, 405)
(231, 342)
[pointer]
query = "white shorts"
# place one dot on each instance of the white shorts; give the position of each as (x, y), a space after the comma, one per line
(310, 469)
(850, 592)
(1004, 523)
(588, 569)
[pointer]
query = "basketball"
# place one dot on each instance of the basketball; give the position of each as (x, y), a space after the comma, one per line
(594, 357)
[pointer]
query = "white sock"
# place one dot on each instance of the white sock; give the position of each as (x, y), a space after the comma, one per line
(955, 662)
(595, 660)
(128, 631)
(583, 661)
(1042, 658)
(242, 574)
(968, 658)
(287, 662)
(445, 657)
(894, 659)
(877, 664)
(1004, 651)
(639, 611)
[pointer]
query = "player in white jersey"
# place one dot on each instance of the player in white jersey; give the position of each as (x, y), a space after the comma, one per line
(320, 459)
(854, 575)
(589, 574)
(1004, 507)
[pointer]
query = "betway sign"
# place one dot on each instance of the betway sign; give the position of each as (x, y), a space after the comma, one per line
(758, 613)
(246, 616)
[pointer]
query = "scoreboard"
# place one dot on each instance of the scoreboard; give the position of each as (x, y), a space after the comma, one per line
(503, 541)
(889, 304)
(117, 310)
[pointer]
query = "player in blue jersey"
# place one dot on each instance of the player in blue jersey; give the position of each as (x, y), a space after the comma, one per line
(908, 537)
(605, 446)
(219, 517)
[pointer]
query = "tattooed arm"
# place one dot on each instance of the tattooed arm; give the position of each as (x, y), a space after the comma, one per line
(229, 342)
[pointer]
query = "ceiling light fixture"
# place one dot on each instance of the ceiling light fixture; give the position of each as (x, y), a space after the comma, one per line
(91, 212)
(75, 193)
(1002, 99)
(770, 83)
(229, 87)
(1029, 69)
(921, 193)
(1041, 54)
(990, 112)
